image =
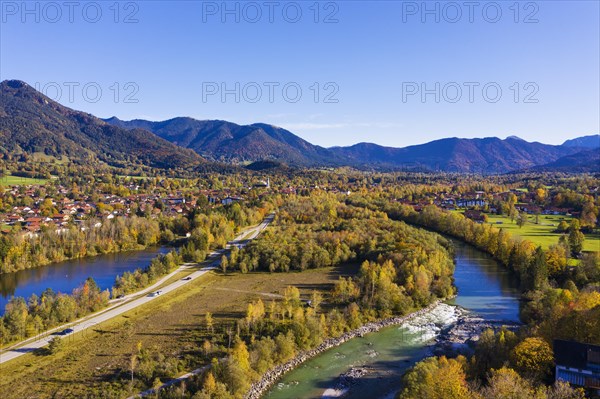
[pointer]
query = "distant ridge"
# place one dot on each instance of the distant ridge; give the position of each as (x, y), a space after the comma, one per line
(486, 156)
(32, 122)
(226, 141)
(587, 161)
(592, 141)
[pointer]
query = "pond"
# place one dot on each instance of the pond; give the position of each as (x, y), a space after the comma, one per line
(68, 275)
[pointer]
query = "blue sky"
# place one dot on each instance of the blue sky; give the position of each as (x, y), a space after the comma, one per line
(361, 67)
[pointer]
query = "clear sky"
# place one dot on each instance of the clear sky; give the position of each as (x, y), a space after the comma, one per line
(367, 71)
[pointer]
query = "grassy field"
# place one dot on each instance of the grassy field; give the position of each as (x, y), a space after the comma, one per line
(175, 323)
(20, 181)
(543, 233)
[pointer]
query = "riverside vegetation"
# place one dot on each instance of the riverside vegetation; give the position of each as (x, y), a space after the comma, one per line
(24, 318)
(403, 269)
(561, 303)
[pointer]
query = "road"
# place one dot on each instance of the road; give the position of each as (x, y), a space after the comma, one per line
(132, 301)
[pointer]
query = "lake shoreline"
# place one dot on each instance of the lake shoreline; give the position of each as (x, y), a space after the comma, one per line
(65, 276)
(259, 388)
(84, 258)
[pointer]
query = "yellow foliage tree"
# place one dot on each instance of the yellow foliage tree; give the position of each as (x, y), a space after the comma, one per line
(533, 356)
(240, 355)
(437, 378)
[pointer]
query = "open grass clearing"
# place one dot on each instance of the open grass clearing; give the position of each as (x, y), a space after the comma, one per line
(21, 181)
(174, 322)
(543, 233)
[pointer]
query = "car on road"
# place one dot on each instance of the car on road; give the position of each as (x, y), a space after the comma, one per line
(66, 331)
(187, 278)
(156, 293)
(120, 296)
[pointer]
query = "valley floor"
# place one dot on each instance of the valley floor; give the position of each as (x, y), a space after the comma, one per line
(175, 323)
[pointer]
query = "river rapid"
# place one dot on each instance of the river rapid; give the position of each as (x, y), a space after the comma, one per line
(372, 366)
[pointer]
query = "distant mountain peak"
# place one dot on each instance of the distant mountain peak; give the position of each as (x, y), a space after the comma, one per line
(226, 141)
(592, 141)
(513, 137)
(33, 123)
(14, 84)
(18, 87)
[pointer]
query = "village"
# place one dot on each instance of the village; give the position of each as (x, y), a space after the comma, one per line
(476, 205)
(38, 211)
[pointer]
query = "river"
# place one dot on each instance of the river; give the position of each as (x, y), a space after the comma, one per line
(484, 288)
(68, 275)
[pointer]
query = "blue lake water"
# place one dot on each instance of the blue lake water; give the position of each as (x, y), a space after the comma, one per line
(68, 275)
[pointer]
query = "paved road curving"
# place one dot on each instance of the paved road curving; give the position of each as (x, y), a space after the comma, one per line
(132, 301)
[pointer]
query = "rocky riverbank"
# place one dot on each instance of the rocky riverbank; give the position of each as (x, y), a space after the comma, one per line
(461, 336)
(345, 381)
(270, 377)
(452, 329)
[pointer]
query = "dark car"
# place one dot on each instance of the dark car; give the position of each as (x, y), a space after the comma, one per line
(187, 278)
(66, 331)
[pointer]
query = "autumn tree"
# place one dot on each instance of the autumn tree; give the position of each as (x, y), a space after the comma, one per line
(345, 290)
(437, 378)
(506, 383)
(224, 263)
(56, 345)
(255, 312)
(533, 357)
(208, 319)
(576, 238)
(492, 350)
(589, 215)
(556, 259)
(563, 227)
(563, 390)
(240, 355)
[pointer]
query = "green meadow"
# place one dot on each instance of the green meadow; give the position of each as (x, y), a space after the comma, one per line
(20, 181)
(543, 233)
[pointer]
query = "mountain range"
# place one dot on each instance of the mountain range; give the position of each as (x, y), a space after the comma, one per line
(584, 142)
(31, 122)
(229, 142)
(587, 161)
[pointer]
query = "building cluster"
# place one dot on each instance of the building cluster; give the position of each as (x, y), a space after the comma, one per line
(477, 204)
(44, 210)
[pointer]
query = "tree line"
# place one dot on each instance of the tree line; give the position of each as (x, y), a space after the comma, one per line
(560, 303)
(402, 269)
(25, 318)
(23, 251)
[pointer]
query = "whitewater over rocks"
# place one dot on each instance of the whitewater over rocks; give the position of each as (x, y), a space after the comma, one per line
(270, 377)
(454, 329)
(461, 336)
